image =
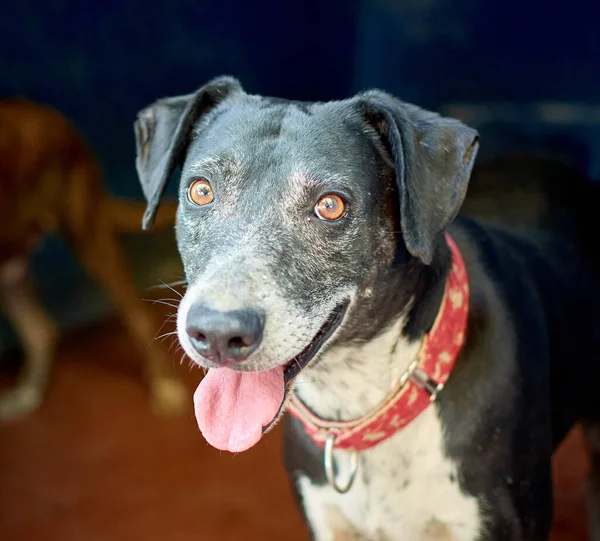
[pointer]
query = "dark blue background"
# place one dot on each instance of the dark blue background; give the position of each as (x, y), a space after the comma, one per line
(100, 62)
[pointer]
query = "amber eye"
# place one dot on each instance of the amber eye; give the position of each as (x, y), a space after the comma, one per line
(200, 192)
(330, 207)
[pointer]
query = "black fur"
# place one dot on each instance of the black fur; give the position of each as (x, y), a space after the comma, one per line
(529, 366)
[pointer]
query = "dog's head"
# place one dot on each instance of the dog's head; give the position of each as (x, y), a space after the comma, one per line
(290, 216)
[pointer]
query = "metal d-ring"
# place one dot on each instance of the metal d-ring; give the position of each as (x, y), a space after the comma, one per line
(328, 461)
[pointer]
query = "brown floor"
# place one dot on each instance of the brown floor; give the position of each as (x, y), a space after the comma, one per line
(95, 465)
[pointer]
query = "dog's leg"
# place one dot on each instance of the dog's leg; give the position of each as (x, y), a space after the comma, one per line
(592, 435)
(101, 254)
(38, 334)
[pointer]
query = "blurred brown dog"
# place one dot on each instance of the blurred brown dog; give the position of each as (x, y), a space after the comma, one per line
(50, 182)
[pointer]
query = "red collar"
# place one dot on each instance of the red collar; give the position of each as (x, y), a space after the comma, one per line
(419, 385)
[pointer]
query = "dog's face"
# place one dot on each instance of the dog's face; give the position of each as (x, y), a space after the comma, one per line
(296, 219)
(290, 213)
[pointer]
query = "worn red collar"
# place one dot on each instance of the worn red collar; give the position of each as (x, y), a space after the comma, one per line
(419, 385)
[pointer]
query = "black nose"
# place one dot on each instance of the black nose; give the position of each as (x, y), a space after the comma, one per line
(224, 337)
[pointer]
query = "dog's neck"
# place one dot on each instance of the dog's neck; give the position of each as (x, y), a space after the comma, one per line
(353, 377)
(350, 380)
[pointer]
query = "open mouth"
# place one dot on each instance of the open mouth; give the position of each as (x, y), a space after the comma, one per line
(234, 408)
(300, 361)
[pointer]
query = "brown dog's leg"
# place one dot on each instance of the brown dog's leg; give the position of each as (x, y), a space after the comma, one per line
(97, 248)
(126, 215)
(38, 334)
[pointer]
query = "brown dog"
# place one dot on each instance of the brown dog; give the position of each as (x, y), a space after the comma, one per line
(50, 182)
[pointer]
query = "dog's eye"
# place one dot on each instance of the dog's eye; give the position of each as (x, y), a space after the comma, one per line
(200, 192)
(330, 207)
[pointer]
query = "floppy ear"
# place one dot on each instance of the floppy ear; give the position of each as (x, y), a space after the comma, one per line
(433, 157)
(162, 135)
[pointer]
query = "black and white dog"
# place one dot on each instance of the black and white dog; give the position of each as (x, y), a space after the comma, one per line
(319, 241)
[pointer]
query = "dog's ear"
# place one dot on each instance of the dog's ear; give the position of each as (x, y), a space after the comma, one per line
(433, 157)
(162, 134)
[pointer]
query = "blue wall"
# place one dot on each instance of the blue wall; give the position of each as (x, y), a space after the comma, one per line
(100, 62)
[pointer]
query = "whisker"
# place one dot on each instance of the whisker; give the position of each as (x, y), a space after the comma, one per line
(170, 286)
(182, 357)
(176, 344)
(165, 302)
(165, 335)
(163, 285)
(162, 326)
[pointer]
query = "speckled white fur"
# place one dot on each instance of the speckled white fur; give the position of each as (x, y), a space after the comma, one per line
(406, 487)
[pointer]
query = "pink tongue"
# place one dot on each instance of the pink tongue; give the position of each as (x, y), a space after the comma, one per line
(233, 407)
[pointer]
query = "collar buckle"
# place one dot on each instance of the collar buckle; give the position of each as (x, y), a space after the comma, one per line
(422, 379)
(427, 383)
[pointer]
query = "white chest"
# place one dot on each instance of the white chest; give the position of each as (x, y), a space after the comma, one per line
(406, 489)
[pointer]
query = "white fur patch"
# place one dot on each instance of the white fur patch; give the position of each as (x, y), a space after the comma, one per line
(406, 487)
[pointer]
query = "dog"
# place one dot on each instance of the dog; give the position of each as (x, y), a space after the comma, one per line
(431, 362)
(50, 183)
